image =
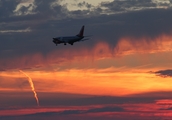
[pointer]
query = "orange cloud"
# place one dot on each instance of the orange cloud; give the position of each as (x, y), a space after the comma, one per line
(128, 45)
(102, 50)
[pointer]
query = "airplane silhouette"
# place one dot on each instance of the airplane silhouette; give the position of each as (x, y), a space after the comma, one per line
(71, 39)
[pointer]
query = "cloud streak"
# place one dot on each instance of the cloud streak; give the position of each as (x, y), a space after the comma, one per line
(32, 86)
(17, 31)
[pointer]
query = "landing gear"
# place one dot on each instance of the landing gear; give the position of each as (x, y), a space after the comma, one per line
(71, 43)
(64, 43)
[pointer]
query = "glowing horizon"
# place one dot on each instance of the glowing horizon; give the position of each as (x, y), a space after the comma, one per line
(125, 72)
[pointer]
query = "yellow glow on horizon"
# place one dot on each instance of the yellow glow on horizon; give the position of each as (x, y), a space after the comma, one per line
(97, 82)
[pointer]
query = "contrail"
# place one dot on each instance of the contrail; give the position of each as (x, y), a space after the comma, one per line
(32, 86)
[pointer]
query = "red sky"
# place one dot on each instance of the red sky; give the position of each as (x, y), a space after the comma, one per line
(123, 72)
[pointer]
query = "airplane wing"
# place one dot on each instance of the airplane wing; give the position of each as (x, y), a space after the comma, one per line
(85, 39)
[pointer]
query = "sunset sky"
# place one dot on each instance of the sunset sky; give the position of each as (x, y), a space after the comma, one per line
(123, 72)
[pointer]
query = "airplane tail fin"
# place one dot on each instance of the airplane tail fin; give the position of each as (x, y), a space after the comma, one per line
(81, 33)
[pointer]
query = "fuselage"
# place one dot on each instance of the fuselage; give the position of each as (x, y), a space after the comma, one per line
(67, 39)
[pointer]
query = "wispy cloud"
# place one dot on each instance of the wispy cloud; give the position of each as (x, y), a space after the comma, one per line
(16, 31)
(25, 8)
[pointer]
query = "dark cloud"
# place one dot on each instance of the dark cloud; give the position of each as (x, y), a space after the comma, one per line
(84, 105)
(11, 100)
(164, 73)
(92, 110)
(48, 11)
(85, 4)
(128, 5)
(48, 99)
(66, 99)
(105, 109)
(118, 6)
(169, 108)
(7, 7)
(78, 111)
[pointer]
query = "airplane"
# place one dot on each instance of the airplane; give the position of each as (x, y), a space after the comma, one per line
(71, 39)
